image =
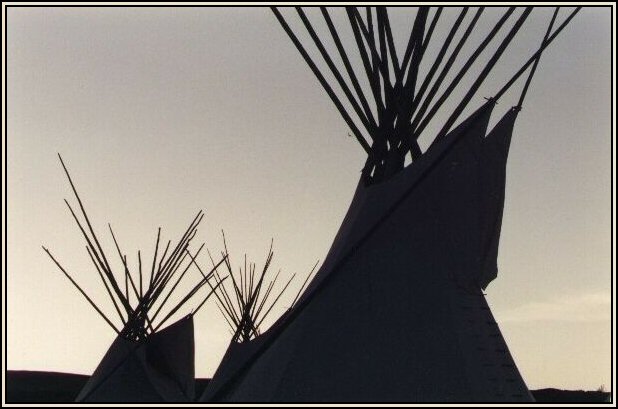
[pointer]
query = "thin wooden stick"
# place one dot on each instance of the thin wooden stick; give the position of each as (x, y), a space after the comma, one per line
(185, 299)
(275, 302)
(128, 277)
(126, 281)
(212, 291)
(179, 249)
(176, 284)
(456, 80)
(103, 266)
(369, 60)
(304, 284)
(361, 139)
(217, 279)
(447, 42)
(81, 206)
(82, 292)
(486, 70)
(139, 260)
(536, 61)
(348, 67)
(537, 53)
(331, 65)
(154, 260)
(391, 43)
(162, 260)
(109, 292)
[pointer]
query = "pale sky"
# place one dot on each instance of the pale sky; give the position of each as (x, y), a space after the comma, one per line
(160, 112)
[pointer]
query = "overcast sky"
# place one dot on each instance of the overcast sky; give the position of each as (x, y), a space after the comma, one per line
(160, 112)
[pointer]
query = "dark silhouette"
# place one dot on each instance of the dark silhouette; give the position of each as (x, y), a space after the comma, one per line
(404, 104)
(247, 303)
(145, 362)
(54, 387)
(397, 311)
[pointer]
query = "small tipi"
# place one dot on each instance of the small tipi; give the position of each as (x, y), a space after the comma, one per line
(147, 362)
(397, 312)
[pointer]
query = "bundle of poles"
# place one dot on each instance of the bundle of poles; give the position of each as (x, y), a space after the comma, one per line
(403, 103)
(144, 305)
(245, 300)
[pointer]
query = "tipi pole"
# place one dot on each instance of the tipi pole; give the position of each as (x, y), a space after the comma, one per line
(536, 61)
(536, 54)
(432, 27)
(412, 42)
(481, 77)
(334, 70)
(213, 291)
(417, 131)
(302, 288)
(176, 254)
(81, 206)
(221, 299)
(353, 17)
(445, 70)
(82, 292)
(434, 67)
(186, 298)
(139, 260)
(128, 277)
(391, 43)
(154, 260)
(109, 292)
(348, 67)
(175, 285)
(108, 272)
(323, 81)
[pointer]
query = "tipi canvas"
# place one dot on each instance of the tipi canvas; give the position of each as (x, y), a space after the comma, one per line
(148, 361)
(396, 313)
(159, 369)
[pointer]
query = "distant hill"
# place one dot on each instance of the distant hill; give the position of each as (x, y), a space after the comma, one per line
(551, 395)
(38, 387)
(55, 387)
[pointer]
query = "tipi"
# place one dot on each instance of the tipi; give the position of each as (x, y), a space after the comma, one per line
(249, 298)
(397, 312)
(147, 362)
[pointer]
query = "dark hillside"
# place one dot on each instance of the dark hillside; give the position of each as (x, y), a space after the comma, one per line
(54, 387)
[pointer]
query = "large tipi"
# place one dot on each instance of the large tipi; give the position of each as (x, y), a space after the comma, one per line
(397, 312)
